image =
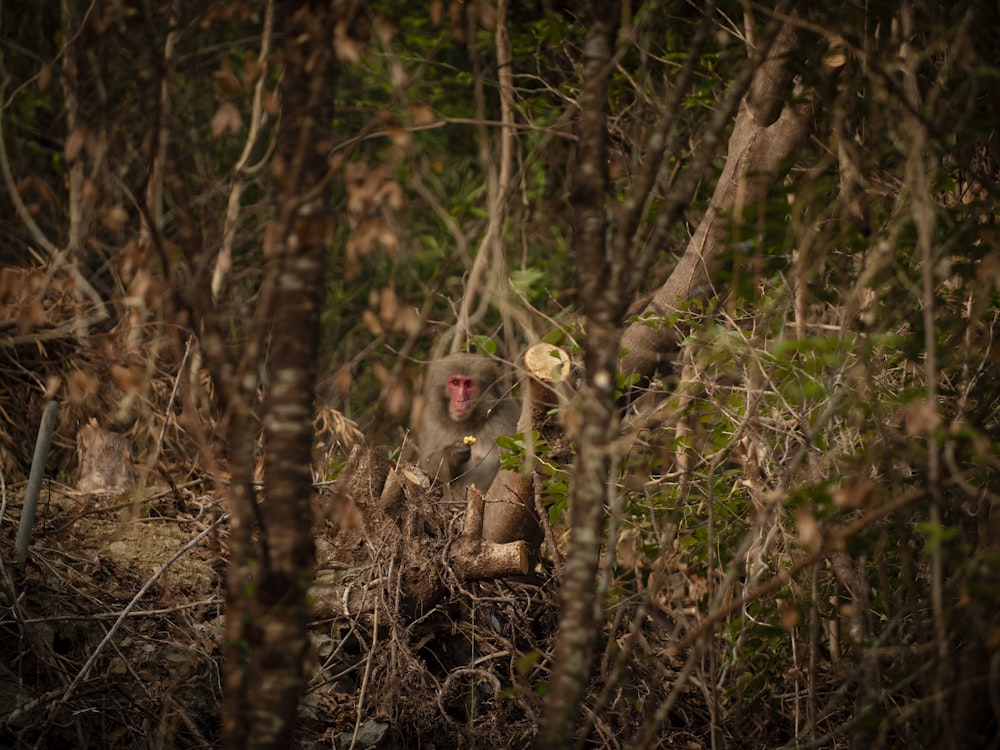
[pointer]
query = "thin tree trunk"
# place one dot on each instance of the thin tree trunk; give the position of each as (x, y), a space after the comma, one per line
(600, 279)
(267, 610)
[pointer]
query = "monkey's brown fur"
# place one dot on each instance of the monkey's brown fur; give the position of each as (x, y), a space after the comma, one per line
(444, 454)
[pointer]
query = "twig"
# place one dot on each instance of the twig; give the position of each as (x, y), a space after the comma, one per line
(258, 116)
(490, 252)
(154, 454)
(140, 613)
(3, 496)
(651, 728)
(543, 520)
(368, 670)
(831, 541)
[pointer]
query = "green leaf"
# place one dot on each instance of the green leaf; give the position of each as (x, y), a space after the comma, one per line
(524, 280)
(526, 662)
(484, 345)
(936, 535)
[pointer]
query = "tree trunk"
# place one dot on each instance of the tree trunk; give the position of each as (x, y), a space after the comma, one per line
(267, 609)
(758, 148)
(600, 281)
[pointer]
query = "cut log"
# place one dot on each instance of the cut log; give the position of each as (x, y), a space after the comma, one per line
(105, 461)
(479, 559)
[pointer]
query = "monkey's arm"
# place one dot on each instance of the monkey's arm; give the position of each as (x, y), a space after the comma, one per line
(445, 462)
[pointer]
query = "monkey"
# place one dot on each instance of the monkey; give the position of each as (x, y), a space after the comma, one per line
(465, 411)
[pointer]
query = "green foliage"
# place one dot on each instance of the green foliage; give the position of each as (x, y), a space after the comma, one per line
(554, 475)
(936, 535)
(484, 345)
(527, 662)
(623, 383)
(528, 282)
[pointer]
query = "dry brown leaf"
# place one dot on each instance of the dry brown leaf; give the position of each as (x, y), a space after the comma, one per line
(380, 372)
(988, 270)
(252, 71)
(114, 217)
(346, 49)
(437, 12)
(129, 379)
(226, 119)
(422, 115)
(371, 321)
(343, 382)
(788, 614)
(227, 78)
(388, 306)
(385, 29)
(271, 103)
(408, 320)
(45, 77)
(74, 143)
(32, 316)
(396, 400)
(810, 531)
(80, 386)
(921, 417)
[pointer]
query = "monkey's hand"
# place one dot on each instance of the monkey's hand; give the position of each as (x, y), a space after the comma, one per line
(457, 455)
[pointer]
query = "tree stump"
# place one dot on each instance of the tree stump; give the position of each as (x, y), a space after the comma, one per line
(105, 461)
(510, 511)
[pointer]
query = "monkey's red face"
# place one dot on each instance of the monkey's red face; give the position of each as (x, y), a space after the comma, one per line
(462, 395)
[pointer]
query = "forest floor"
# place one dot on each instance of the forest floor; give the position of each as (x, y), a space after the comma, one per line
(112, 637)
